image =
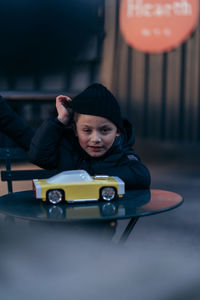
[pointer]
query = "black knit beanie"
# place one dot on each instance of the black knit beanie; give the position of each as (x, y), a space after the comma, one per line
(97, 100)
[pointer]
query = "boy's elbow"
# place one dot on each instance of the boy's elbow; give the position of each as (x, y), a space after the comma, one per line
(141, 183)
(42, 164)
(40, 160)
(141, 178)
(146, 181)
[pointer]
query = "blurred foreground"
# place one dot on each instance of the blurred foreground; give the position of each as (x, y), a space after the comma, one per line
(44, 263)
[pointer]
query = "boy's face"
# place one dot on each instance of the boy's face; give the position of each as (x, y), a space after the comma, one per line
(95, 134)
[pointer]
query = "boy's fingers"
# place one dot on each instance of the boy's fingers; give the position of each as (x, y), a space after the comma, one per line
(63, 98)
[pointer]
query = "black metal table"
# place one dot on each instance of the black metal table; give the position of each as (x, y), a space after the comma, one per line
(133, 205)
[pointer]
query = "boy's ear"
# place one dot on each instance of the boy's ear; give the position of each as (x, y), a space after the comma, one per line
(118, 132)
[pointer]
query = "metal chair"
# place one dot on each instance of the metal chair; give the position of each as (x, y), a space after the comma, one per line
(13, 154)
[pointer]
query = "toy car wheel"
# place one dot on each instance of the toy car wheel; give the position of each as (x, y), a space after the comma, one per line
(108, 193)
(55, 196)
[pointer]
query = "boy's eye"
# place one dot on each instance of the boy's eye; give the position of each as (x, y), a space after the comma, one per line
(87, 130)
(105, 129)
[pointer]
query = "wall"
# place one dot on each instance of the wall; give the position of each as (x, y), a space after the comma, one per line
(158, 92)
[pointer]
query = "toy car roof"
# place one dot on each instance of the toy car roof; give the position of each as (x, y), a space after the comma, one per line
(70, 176)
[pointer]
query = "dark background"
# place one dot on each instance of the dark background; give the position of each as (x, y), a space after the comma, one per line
(45, 35)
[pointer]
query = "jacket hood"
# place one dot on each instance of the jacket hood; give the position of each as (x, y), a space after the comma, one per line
(125, 141)
(128, 136)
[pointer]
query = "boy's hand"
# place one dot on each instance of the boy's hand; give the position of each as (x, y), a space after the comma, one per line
(64, 112)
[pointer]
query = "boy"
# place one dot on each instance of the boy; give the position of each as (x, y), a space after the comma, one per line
(89, 134)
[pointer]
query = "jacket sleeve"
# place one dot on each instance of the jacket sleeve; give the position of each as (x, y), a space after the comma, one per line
(44, 148)
(14, 126)
(130, 169)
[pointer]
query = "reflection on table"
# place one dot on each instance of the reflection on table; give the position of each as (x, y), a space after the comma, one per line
(134, 204)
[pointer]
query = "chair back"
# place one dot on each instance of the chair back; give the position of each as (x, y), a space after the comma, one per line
(13, 154)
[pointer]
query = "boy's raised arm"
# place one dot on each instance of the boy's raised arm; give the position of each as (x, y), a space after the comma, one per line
(44, 148)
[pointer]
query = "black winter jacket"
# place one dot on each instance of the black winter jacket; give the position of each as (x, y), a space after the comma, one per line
(55, 146)
(14, 126)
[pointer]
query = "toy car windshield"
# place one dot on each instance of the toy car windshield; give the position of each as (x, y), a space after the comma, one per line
(70, 176)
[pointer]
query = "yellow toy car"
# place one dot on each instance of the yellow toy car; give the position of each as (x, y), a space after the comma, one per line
(78, 186)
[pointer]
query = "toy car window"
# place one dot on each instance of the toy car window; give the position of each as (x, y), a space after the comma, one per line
(70, 177)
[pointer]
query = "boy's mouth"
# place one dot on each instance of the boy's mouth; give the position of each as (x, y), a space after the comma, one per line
(96, 148)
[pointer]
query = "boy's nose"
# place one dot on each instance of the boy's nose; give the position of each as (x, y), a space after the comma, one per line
(95, 137)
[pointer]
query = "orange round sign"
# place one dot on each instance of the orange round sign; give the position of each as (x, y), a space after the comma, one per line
(155, 26)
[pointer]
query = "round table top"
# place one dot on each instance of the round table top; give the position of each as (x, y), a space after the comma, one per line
(135, 203)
